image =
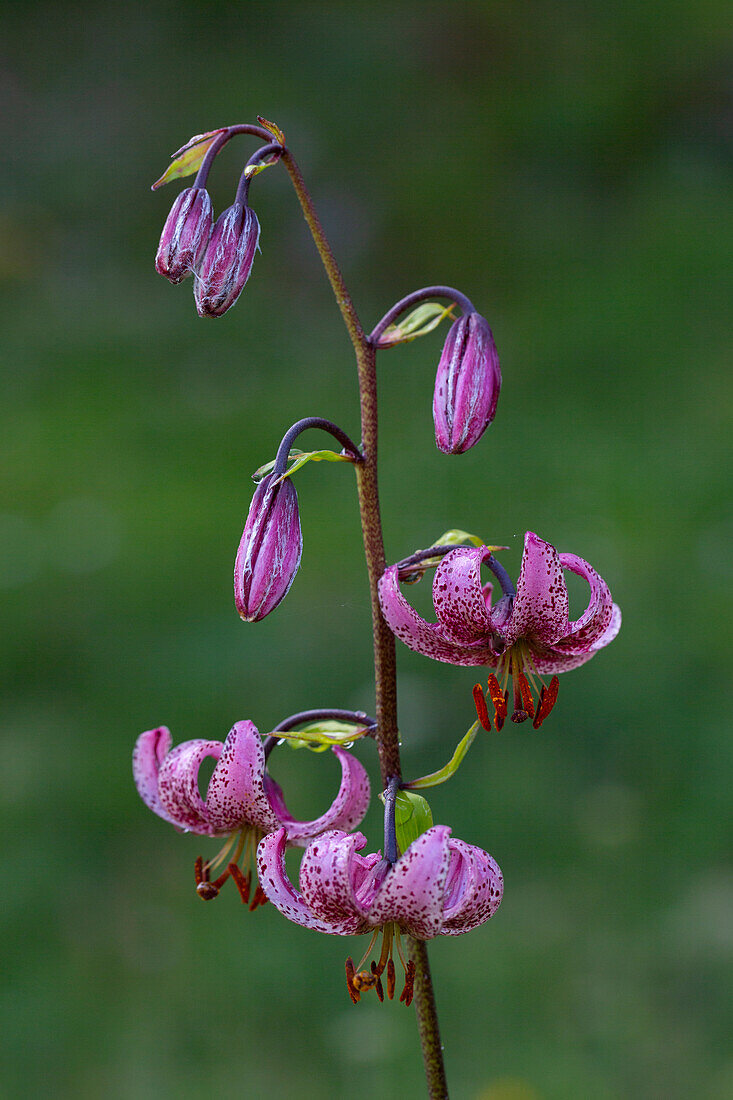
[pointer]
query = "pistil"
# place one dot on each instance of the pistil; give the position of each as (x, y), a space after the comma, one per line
(360, 981)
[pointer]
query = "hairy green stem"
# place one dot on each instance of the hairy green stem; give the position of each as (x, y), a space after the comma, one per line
(385, 666)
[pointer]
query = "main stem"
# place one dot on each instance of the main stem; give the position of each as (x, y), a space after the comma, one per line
(385, 669)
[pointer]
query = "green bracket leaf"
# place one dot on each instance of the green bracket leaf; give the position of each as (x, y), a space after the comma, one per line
(451, 767)
(419, 322)
(273, 128)
(323, 735)
(187, 159)
(299, 459)
(413, 817)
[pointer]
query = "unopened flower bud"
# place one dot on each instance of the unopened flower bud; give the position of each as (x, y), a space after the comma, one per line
(466, 386)
(269, 553)
(227, 261)
(185, 234)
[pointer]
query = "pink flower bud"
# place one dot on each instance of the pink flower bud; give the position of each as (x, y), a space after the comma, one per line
(185, 234)
(466, 386)
(227, 261)
(269, 553)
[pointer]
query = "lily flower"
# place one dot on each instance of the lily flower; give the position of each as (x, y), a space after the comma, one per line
(527, 634)
(438, 887)
(243, 802)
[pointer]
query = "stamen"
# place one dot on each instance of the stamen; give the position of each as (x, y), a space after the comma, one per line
(260, 898)
(368, 951)
(198, 870)
(241, 881)
(499, 700)
(480, 702)
(378, 982)
(350, 974)
(407, 993)
(391, 979)
(548, 697)
(526, 694)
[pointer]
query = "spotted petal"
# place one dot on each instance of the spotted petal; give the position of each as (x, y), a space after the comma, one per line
(412, 892)
(276, 884)
(426, 638)
(540, 609)
(178, 785)
(474, 888)
(346, 811)
(584, 632)
(150, 750)
(334, 879)
(458, 595)
(236, 793)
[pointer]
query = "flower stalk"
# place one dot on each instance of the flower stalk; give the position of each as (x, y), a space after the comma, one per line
(385, 663)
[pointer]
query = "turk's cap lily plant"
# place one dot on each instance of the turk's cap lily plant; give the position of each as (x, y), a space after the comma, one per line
(527, 634)
(243, 802)
(439, 886)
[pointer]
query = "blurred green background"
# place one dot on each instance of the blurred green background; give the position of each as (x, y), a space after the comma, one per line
(568, 166)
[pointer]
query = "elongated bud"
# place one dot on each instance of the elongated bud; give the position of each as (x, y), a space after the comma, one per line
(269, 553)
(466, 386)
(227, 261)
(185, 234)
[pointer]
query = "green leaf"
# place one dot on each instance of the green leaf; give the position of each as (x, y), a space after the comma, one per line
(299, 459)
(451, 767)
(273, 128)
(255, 169)
(188, 158)
(322, 735)
(413, 817)
(419, 322)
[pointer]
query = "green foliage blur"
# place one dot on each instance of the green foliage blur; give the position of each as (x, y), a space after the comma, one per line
(568, 166)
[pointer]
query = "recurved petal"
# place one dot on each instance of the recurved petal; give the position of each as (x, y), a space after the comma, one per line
(276, 884)
(424, 637)
(331, 872)
(178, 785)
(564, 655)
(412, 893)
(459, 597)
(150, 750)
(584, 632)
(236, 793)
(540, 610)
(345, 812)
(474, 888)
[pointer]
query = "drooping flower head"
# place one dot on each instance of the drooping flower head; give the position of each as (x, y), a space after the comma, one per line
(243, 802)
(467, 384)
(526, 634)
(227, 261)
(438, 887)
(269, 550)
(185, 234)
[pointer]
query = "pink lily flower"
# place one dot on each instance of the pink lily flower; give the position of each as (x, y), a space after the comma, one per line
(438, 887)
(242, 802)
(526, 634)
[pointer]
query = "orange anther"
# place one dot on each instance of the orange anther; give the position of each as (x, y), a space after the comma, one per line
(407, 993)
(548, 698)
(391, 979)
(350, 974)
(260, 898)
(526, 693)
(241, 881)
(499, 699)
(481, 711)
(378, 982)
(198, 871)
